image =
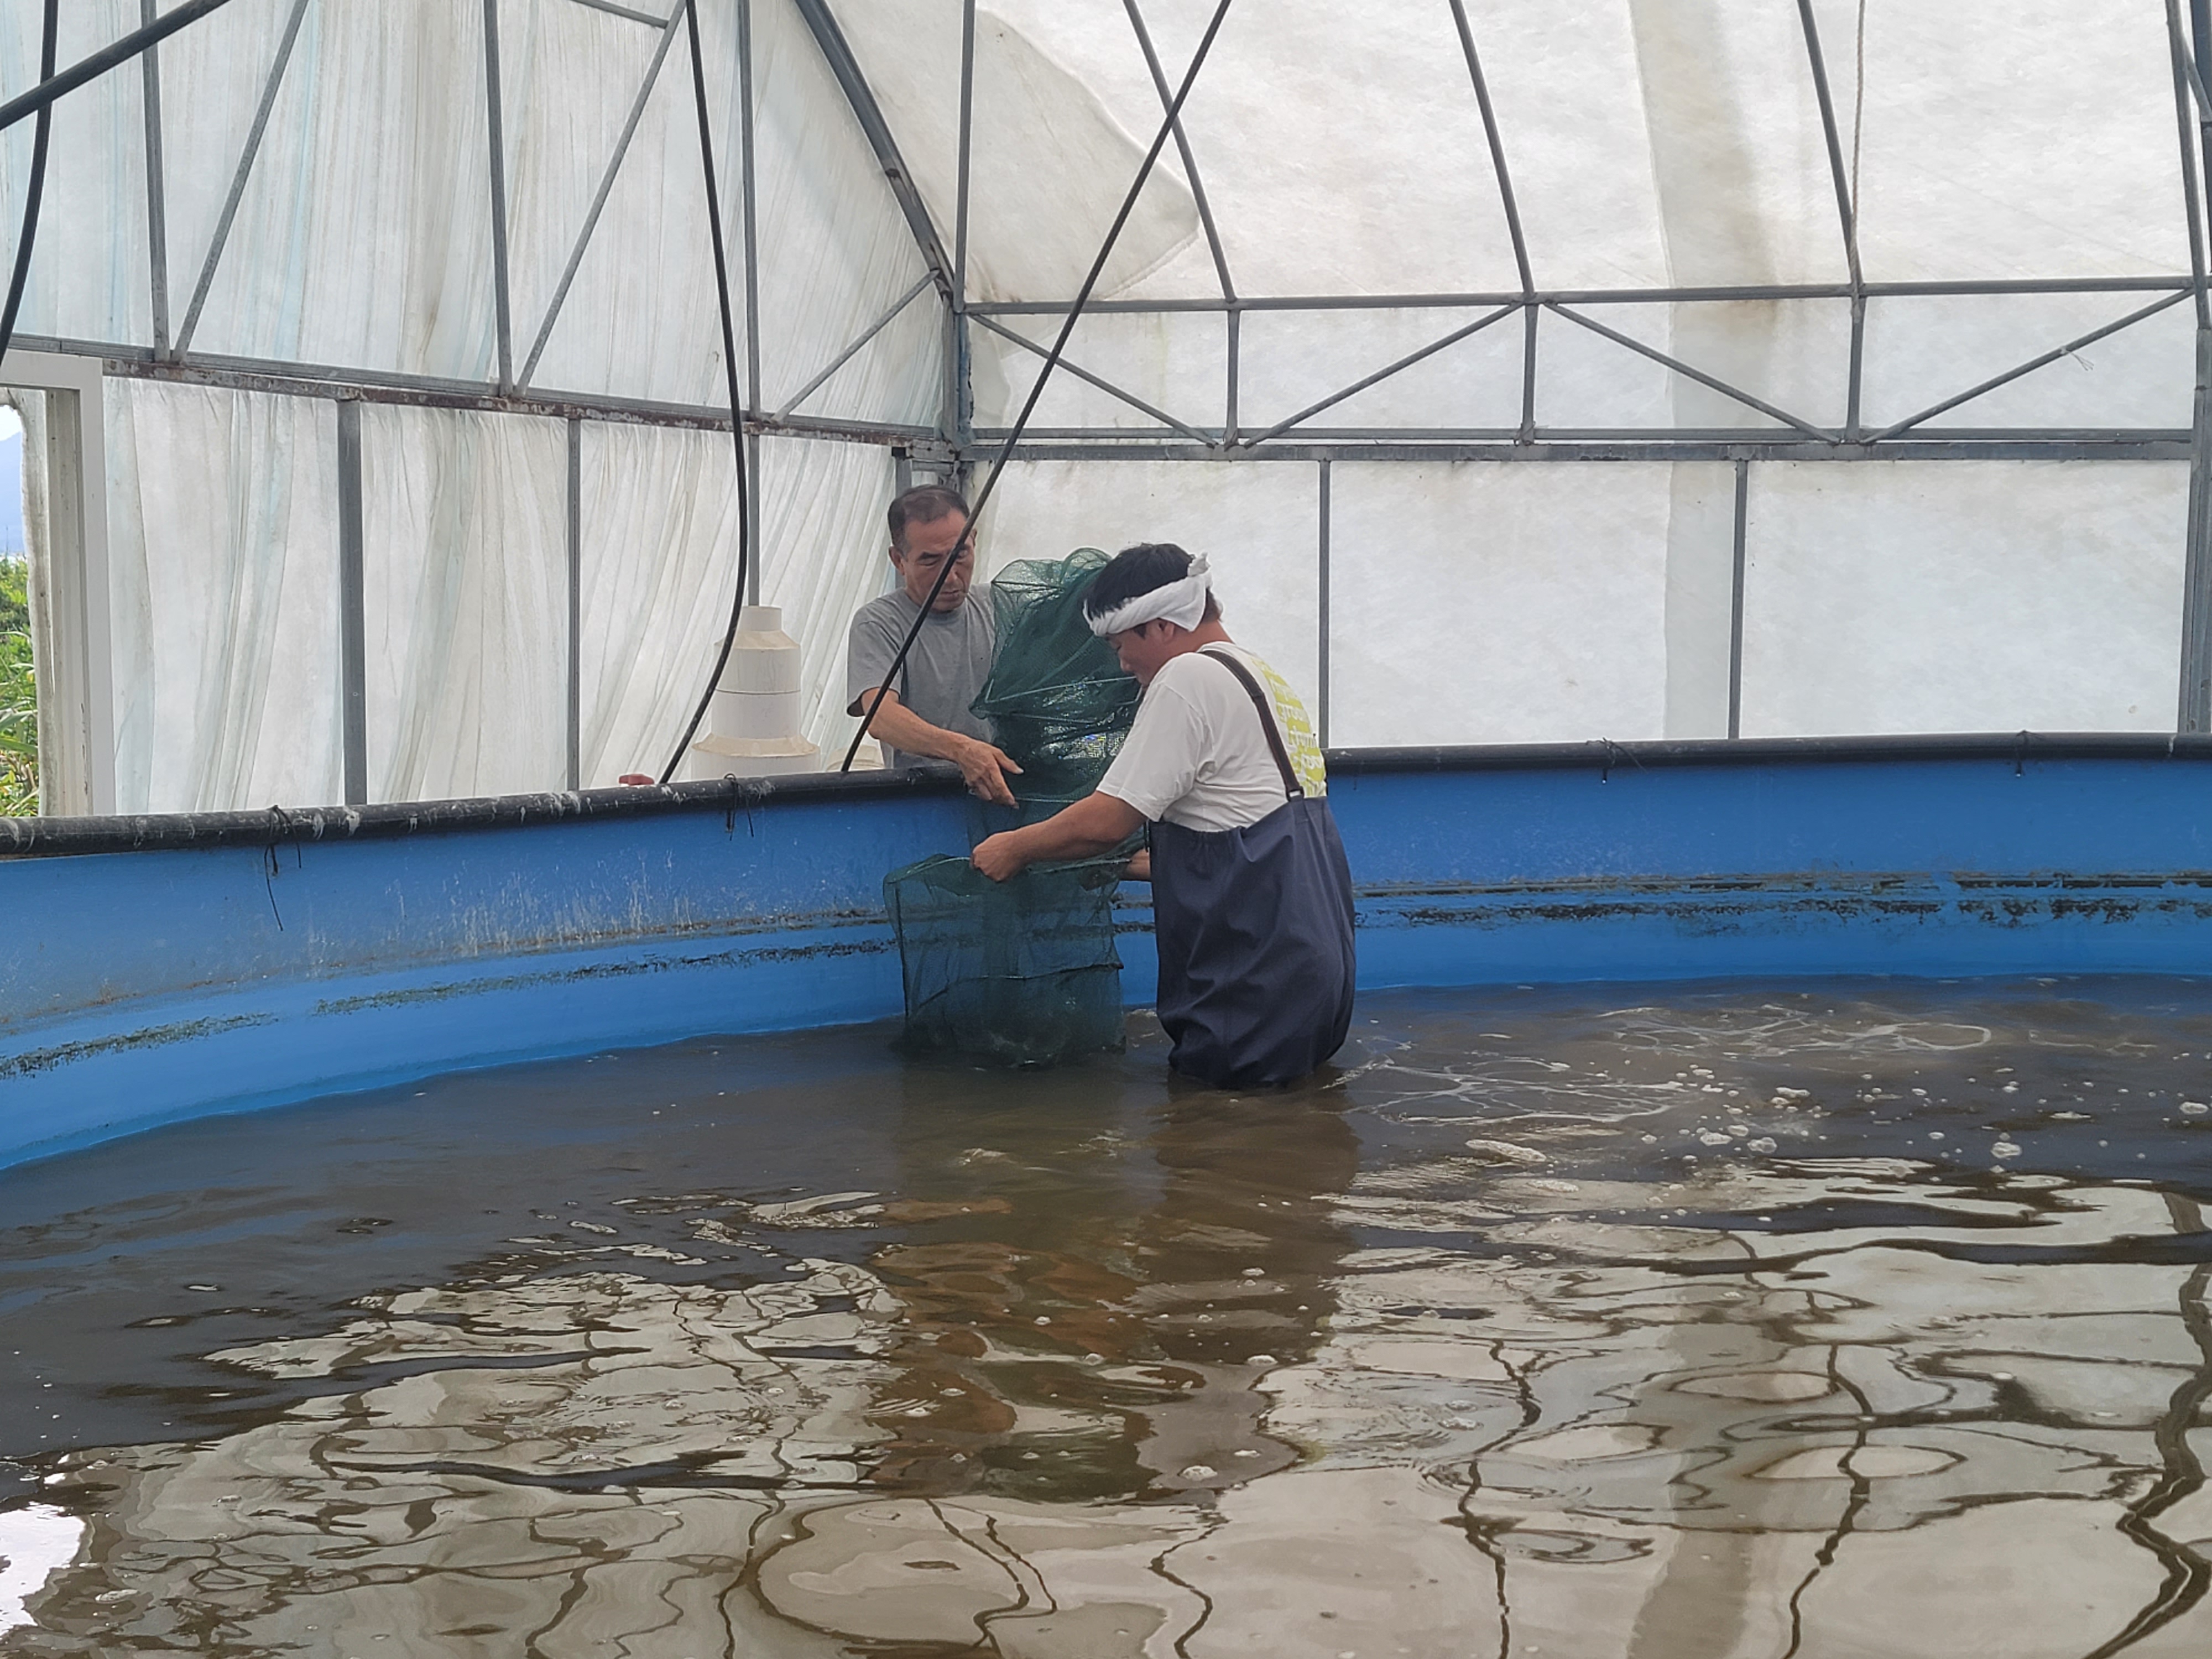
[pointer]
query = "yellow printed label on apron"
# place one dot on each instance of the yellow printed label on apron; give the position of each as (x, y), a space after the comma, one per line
(1297, 730)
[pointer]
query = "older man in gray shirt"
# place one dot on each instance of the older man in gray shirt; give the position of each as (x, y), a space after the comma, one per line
(925, 713)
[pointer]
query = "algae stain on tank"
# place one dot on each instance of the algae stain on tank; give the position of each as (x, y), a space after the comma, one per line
(1831, 1319)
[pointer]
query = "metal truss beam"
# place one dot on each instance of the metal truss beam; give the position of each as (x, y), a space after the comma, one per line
(1385, 373)
(842, 65)
(1603, 296)
(157, 210)
(424, 391)
(1235, 341)
(630, 12)
(496, 132)
(86, 69)
(1512, 207)
(850, 351)
(1100, 381)
(2023, 446)
(1846, 207)
(2031, 366)
(957, 413)
(599, 199)
(1698, 374)
(238, 181)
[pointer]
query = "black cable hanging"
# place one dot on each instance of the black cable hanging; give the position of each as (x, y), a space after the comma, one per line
(28, 237)
(1051, 362)
(737, 399)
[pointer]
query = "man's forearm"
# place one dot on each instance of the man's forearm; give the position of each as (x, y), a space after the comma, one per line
(1091, 825)
(902, 729)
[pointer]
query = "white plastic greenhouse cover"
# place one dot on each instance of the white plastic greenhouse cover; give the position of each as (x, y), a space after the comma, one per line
(1708, 273)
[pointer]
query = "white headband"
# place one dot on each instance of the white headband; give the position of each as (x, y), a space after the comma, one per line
(1183, 603)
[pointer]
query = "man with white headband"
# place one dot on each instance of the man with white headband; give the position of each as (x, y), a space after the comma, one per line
(1251, 896)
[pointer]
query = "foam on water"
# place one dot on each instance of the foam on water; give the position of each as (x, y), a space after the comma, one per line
(1833, 1320)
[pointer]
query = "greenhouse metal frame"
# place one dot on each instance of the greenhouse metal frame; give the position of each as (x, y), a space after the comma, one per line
(956, 439)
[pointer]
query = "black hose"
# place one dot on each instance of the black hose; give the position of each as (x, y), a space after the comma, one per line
(737, 400)
(28, 237)
(1051, 362)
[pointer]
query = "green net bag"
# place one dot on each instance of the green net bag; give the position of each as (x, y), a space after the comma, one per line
(1024, 971)
(1057, 700)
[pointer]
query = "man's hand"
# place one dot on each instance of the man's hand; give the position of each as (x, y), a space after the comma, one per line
(985, 767)
(1140, 868)
(982, 766)
(1091, 825)
(1001, 856)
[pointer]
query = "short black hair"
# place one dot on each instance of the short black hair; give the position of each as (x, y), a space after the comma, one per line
(923, 504)
(1140, 569)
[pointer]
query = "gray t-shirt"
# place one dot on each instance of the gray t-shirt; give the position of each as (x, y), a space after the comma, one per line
(950, 661)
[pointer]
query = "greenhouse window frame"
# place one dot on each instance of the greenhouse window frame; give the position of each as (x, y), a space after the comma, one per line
(78, 689)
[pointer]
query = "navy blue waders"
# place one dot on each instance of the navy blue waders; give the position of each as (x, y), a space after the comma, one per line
(1254, 933)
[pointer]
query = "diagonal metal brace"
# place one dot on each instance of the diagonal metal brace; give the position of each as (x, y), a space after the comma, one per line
(1696, 375)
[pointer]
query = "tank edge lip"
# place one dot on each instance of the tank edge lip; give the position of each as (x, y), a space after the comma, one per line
(284, 826)
(278, 826)
(1605, 756)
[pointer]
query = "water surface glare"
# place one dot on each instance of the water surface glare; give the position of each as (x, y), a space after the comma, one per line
(1827, 1320)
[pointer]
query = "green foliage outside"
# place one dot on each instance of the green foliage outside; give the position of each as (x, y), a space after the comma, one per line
(19, 695)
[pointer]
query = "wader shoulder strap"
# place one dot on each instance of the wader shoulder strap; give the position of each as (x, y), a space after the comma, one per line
(1291, 787)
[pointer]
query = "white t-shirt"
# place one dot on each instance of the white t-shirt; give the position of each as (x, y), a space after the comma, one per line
(1197, 755)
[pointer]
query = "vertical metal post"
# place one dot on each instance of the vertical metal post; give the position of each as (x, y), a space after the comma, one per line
(1321, 698)
(1735, 601)
(2193, 712)
(495, 123)
(2197, 603)
(1852, 430)
(2200, 28)
(960, 402)
(353, 624)
(1528, 433)
(575, 602)
(747, 177)
(901, 470)
(157, 209)
(1236, 352)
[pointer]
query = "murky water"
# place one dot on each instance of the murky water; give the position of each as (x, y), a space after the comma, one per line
(1828, 1321)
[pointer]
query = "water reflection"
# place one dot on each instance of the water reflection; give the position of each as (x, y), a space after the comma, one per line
(1504, 1341)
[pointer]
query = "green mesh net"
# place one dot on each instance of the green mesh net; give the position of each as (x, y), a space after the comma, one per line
(1022, 972)
(1057, 698)
(1025, 971)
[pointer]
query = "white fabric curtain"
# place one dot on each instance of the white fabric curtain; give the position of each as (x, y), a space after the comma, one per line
(1963, 596)
(659, 565)
(1259, 524)
(223, 565)
(464, 567)
(89, 277)
(659, 551)
(825, 553)
(1490, 603)
(364, 238)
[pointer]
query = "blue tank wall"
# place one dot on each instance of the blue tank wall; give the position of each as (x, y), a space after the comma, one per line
(163, 968)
